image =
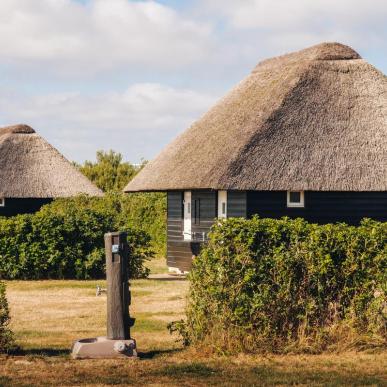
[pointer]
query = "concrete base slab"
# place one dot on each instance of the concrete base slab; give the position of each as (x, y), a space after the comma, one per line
(103, 348)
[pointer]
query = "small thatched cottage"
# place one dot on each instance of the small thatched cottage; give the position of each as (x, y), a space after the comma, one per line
(33, 173)
(304, 135)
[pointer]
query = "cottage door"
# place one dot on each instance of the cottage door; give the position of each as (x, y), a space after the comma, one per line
(187, 216)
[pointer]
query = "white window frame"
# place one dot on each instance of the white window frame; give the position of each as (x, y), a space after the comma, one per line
(187, 221)
(222, 200)
(300, 204)
(2, 202)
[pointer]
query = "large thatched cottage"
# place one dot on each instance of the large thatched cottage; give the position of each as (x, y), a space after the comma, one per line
(32, 172)
(304, 135)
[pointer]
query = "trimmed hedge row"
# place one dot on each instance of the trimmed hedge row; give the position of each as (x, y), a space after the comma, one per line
(287, 285)
(6, 336)
(65, 239)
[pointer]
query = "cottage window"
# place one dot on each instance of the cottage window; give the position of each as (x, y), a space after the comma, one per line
(2, 202)
(295, 199)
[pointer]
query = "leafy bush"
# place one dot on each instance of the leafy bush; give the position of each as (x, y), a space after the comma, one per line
(143, 211)
(65, 239)
(147, 212)
(287, 285)
(6, 337)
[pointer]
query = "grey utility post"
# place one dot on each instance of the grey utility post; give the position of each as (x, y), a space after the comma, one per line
(116, 247)
(117, 343)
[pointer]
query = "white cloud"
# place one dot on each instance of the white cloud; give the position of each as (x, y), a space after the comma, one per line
(96, 45)
(99, 35)
(285, 14)
(137, 122)
(278, 26)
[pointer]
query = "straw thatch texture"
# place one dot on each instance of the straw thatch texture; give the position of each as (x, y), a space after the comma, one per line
(312, 120)
(31, 168)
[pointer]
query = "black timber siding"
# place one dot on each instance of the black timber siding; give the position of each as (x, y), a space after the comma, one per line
(320, 207)
(175, 216)
(15, 206)
(181, 253)
(236, 204)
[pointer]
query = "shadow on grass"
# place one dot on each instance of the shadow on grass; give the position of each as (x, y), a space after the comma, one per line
(192, 369)
(158, 352)
(5, 381)
(275, 376)
(263, 375)
(41, 352)
(165, 278)
(52, 352)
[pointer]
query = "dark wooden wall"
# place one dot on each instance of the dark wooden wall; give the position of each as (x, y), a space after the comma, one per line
(175, 216)
(22, 206)
(181, 253)
(320, 207)
(236, 204)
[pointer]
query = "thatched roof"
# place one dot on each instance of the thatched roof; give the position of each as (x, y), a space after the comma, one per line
(31, 168)
(311, 120)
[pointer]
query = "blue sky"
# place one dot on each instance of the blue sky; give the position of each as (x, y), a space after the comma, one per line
(131, 75)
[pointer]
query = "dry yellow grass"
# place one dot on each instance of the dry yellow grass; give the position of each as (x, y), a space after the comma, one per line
(48, 315)
(52, 314)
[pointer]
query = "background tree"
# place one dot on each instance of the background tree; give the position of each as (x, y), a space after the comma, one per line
(109, 172)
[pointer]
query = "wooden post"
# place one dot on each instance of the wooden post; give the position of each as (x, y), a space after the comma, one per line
(117, 343)
(116, 247)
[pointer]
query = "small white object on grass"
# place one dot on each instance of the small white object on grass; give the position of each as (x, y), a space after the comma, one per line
(99, 291)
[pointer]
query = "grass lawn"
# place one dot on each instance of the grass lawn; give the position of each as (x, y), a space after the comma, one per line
(49, 315)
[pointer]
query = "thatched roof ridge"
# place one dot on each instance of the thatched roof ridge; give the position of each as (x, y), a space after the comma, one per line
(21, 128)
(31, 168)
(323, 51)
(311, 120)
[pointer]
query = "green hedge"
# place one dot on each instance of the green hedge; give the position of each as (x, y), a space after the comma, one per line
(144, 211)
(6, 336)
(287, 285)
(65, 239)
(147, 212)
